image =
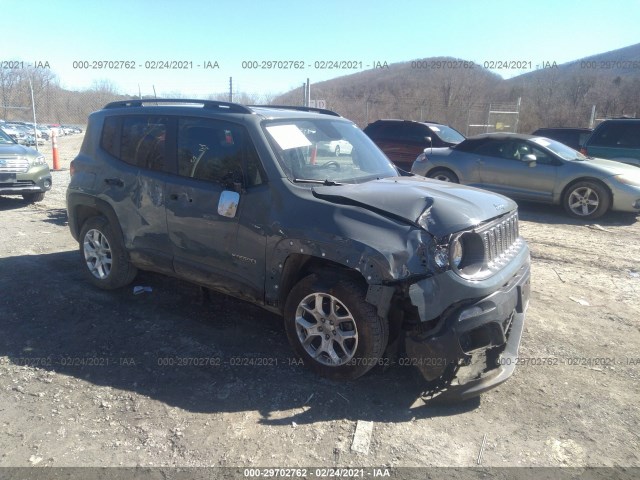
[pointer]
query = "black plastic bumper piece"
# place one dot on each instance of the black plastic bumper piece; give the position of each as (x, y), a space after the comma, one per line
(494, 323)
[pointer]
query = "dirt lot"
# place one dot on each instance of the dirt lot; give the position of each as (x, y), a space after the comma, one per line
(92, 378)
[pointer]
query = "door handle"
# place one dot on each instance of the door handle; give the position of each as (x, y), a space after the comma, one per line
(116, 182)
(177, 196)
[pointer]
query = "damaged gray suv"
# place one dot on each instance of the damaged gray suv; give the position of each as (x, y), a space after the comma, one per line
(366, 266)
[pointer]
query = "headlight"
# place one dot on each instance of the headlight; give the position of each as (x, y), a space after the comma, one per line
(463, 253)
(466, 254)
(456, 252)
(39, 160)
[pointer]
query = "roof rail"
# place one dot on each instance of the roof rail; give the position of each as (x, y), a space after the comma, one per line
(406, 120)
(300, 108)
(208, 104)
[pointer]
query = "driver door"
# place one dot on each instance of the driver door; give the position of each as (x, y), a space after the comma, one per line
(210, 243)
(507, 172)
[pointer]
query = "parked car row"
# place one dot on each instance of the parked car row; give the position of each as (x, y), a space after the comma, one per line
(527, 167)
(21, 133)
(615, 139)
(23, 170)
(572, 137)
(26, 133)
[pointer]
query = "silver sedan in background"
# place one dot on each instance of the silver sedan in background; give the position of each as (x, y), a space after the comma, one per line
(526, 167)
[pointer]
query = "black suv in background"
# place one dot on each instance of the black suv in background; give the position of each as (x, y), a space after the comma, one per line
(572, 137)
(616, 139)
(356, 259)
(403, 140)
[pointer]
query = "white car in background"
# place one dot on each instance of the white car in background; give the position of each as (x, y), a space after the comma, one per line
(335, 147)
(13, 131)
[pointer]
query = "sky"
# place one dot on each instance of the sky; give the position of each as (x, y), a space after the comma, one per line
(235, 36)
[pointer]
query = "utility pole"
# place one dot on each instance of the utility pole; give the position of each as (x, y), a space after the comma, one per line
(33, 110)
(231, 89)
(308, 96)
(304, 94)
(518, 114)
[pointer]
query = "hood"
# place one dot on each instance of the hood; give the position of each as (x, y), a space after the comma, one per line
(451, 207)
(610, 167)
(16, 150)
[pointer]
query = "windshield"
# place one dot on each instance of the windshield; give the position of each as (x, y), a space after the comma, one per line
(560, 149)
(322, 149)
(4, 138)
(446, 133)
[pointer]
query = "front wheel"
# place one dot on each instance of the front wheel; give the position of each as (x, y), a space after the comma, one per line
(333, 329)
(106, 260)
(443, 175)
(33, 197)
(586, 200)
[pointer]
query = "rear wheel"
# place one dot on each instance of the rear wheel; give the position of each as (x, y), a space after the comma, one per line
(444, 175)
(333, 329)
(33, 197)
(105, 258)
(586, 199)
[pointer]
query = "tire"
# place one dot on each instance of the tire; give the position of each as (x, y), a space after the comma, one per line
(586, 199)
(444, 175)
(33, 197)
(105, 258)
(342, 313)
(337, 152)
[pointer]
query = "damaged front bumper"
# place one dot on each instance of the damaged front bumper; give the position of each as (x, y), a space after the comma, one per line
(475, 343)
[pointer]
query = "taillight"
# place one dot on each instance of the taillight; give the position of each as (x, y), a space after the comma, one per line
(72, 168)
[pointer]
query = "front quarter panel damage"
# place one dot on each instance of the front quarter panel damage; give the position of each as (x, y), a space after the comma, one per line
(401, 257)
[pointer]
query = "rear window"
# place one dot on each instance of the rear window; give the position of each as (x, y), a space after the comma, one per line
(137, 140)
(617, 135)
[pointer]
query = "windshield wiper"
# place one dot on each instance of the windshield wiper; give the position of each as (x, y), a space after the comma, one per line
(326, 182)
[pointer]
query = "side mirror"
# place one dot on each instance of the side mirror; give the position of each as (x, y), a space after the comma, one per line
(530, 159)
(228, 203)
(428, 140)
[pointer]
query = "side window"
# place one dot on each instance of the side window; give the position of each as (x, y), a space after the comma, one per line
(110, 141)
(216, 151)
(494, 148)
(255, 174)
(416, 133)
(629, 135)
(542, 157)
(604, 136)
(143, 141)
(519, 150)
